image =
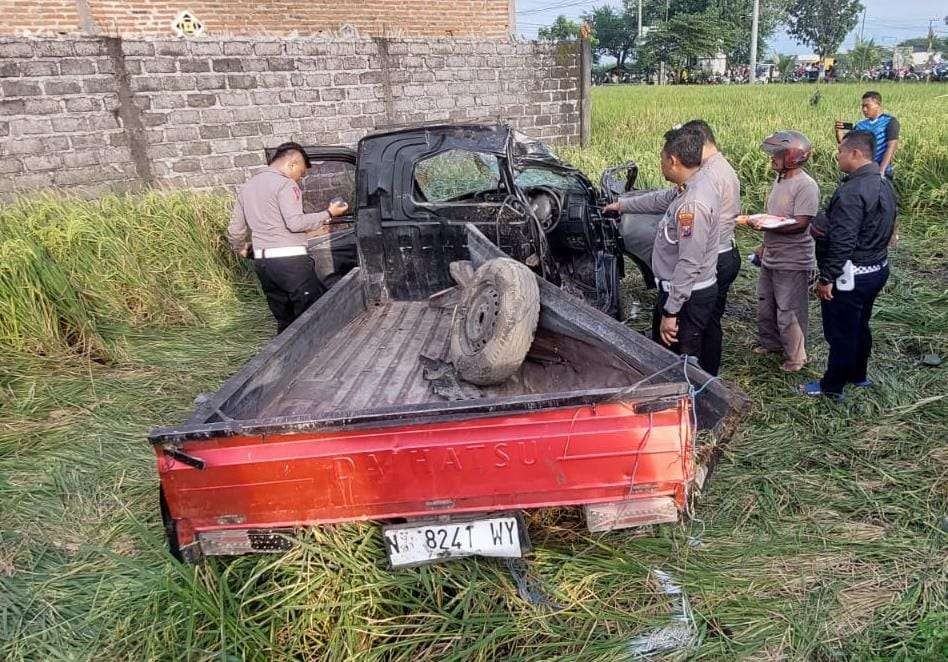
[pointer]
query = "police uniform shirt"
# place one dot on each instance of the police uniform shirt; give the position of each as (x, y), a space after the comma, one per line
(728, 187)
(685, 252)
(270, 206)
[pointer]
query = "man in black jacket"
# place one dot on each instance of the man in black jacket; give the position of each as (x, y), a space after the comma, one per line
(852, 238)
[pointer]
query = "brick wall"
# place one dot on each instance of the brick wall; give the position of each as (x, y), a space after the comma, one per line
(98, 115)
(481, 18)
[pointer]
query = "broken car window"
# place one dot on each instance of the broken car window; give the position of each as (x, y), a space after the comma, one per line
(456, 174)
(530, 177)
(326, 180)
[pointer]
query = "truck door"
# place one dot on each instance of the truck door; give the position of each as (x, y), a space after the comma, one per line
(331, 175)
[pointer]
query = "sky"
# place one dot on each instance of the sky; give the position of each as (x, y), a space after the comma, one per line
(887, 21)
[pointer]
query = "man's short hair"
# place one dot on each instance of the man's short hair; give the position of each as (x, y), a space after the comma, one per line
(701, 127)
(288, 148)
(685, 146)
(872, 95)
(862, 141)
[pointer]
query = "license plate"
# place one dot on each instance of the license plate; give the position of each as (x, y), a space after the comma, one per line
(411, 544)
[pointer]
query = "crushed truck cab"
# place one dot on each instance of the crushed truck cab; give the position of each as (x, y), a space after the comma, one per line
(338, 418)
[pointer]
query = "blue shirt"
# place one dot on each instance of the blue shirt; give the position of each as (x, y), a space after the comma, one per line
(883, 128)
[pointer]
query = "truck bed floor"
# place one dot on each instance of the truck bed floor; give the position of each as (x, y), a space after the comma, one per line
(373, 362)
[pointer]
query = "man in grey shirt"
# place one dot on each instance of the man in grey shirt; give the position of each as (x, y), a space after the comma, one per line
(269, 208)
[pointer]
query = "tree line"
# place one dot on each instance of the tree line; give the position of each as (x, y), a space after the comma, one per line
(687, 30)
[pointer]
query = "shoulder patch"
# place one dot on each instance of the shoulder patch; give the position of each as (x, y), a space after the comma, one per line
(686, 222)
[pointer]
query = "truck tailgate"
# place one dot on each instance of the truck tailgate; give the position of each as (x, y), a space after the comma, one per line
(581, 454)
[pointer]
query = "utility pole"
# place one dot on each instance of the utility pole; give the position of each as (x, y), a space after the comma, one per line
(661, 65)
(862, 31)
(638, 37)
(752, 74)
(931, 39)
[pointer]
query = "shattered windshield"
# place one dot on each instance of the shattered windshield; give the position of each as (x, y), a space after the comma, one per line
(456, 174)
(530, 177)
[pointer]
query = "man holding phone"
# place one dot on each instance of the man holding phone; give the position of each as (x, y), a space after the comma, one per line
(883, 127)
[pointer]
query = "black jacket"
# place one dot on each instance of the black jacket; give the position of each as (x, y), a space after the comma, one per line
(857, 223)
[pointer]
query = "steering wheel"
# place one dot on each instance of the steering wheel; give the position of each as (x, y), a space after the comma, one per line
(547, 206)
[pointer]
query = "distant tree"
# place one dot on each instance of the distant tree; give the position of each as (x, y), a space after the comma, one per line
(684, 38)
(939, 44)
(562, 29)
(785, 65)
(864, 56)
(615, 31)
(738, 14)
(822, 24)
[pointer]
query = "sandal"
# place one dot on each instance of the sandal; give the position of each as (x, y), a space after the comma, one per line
(866, 383)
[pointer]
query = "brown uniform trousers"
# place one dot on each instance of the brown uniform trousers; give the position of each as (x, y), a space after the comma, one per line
(783, 312)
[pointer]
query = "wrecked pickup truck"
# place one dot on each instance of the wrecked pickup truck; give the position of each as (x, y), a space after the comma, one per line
(535, 207)
(340, 417)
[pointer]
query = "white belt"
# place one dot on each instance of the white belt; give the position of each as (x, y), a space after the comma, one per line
(285, 251)
(665, 285)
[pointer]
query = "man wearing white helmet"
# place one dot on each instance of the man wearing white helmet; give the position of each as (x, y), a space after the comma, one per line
(788, 258)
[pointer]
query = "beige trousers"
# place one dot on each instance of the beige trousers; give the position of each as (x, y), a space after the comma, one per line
(783, 312)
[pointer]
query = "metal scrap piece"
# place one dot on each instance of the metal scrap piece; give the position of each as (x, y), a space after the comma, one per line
(679, 635)
(445, 381)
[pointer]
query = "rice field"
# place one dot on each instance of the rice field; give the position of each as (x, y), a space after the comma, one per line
(822, 535)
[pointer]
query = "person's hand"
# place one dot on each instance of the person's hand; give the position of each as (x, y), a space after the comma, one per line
(894, 240)
(338, 208)
(824, 291)
(668, 330)
(244, 251)
(754, 223)
(611, 208)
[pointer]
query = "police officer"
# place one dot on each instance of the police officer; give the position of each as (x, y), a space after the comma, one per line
(684, 250)
(270, 208)
(852, 239)
(728, 187)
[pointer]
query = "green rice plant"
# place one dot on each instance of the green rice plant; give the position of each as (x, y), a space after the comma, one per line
(819, 535)
(76, 268)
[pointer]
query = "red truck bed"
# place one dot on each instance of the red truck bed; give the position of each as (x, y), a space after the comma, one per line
(334, 421)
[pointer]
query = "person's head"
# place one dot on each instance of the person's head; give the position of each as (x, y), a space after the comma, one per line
(291, 160)
(788, 150)
(707, 136)
(871, 104)
(856, 150)
(681, 154)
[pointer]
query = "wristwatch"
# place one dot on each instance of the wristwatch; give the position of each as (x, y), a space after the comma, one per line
(665, 313)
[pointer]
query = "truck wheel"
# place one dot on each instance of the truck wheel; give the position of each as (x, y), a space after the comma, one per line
(495, 322)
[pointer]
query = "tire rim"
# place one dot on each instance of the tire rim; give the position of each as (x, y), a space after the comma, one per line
(481, 318)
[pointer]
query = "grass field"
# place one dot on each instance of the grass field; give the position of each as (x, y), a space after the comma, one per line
(821, 537)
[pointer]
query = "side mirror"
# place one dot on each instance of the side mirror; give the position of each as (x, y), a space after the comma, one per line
(618, 180)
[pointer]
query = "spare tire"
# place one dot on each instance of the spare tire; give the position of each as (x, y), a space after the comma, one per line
(495, 322)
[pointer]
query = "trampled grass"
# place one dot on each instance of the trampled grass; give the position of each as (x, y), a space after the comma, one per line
(818, 537)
